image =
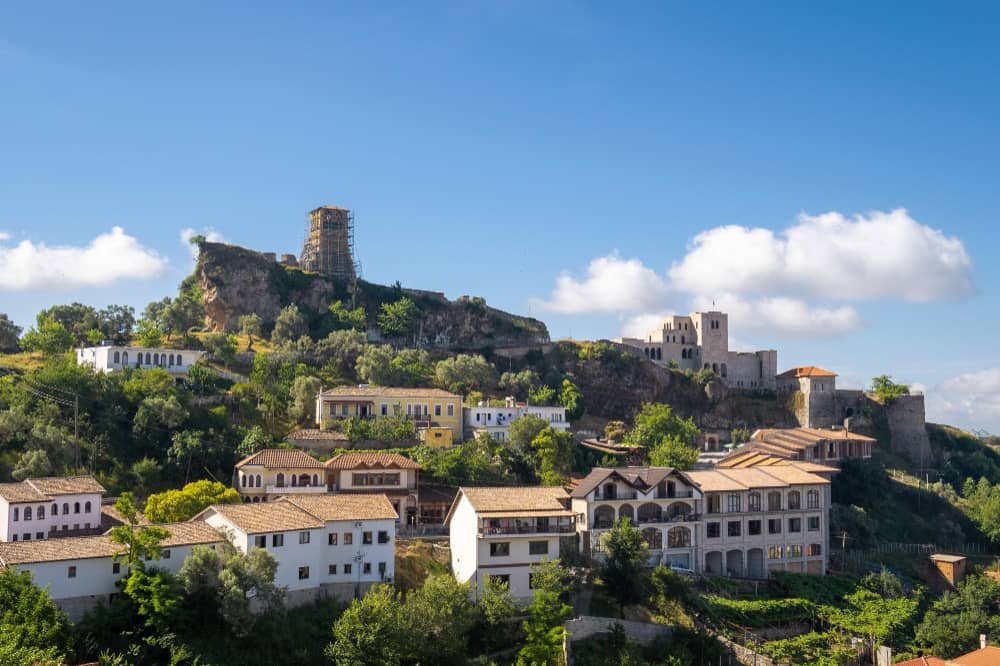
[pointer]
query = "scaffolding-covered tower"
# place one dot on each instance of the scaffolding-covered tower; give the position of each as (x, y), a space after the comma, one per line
(329, 245)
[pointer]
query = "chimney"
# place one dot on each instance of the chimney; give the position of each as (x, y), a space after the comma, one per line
(982, 641)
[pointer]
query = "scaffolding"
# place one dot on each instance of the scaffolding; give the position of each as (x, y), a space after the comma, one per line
(329, 243)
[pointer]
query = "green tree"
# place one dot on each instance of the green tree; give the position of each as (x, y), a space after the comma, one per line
(255, 439)
(32, 628)
(886, 390)
(32, 464)
(370, 631)
(141, 542)
(174, 506)
(571, 398)
(542, 395)
(48, 337)
(465, 373)
(518, 384)
(624, 568)
(554, 452)
(411, 367)
(550, 576)
(873, 616)
(304, 392)
(250, 326)
(185, 446)
(439, 616)
(9, 334)
(289, 326)
(146, 474)
(495, 602)
(656, 421)
(221, 346)
(374, 365)
(338, 352)
(157, 596)
(671, 452)
(523, 431)
(76, 318)
(349, 318)
(117, 322)
(397, 319)
(952, 624)
(149, 333)
(544, 630)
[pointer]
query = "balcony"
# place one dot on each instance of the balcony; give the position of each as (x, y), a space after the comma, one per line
(520, 527)
(295, 490)
(620, 495)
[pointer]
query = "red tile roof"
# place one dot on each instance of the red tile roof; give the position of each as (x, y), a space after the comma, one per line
(806, 371)
(987, 656)
(370, 459)
(922, 661)
(281, 458)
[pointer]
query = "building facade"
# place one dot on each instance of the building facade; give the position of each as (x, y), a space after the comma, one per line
(37, 509)
(390, 474)
(701, 340)
(822, 445)
(325, 545)
(496, 421)
(428, 408)
(504, 531)
(113, 358)
(272, 473)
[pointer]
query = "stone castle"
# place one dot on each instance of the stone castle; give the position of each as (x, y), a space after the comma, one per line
(329, 244)
(701, 340)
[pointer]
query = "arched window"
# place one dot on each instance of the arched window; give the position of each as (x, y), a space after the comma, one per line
(117, 357)
(258, 480)
(124, 358)
(17, 512)
(86, 507)
(650, 513)
(156, 359)
(659, 353)
(41, 513)
(626, 511)
(678, 510)
(671, 489)
(179, 360)
(653, 538)
(148, 359)
(678, 537)
(55, 509)
(715, 368)
(27, 513)
(65, 508)
(684, 353)
(281, 480)
(315, 479)
(294, 480)
(723, 369)
(243, 481)
(794, 500)
(76, 507)
(754, 502)
(604, 517)
(774, 501)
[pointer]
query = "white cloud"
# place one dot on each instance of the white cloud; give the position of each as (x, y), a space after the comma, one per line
(781, 314)
(970, 400)
(4, 236)
(109, 257)
(639, 326)
(612, 284)
(873, 256)
(209, 233)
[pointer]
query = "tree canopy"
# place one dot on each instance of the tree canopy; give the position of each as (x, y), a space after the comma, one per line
(173, 506)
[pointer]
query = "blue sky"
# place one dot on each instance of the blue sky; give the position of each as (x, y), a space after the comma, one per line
(490, 148)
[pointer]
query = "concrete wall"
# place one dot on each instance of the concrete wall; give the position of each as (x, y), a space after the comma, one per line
(63, 522)
(463, 538)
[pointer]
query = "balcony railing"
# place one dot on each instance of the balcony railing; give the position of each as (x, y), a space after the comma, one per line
(632, 494)
(503, 530)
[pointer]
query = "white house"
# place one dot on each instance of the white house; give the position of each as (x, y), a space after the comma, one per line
(81, 572)
(503, 531)
(662, 502)
(47, 507)
(325, 545)
(496, 420)
(112, 358)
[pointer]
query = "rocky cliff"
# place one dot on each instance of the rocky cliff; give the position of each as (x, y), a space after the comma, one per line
(236, 281)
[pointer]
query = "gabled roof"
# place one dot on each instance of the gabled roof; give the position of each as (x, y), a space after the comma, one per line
(641, 478)
(777, 476)
(385, 392)
(788, 442)
(281, 458)
(509, 500)
(344, 507)
(805, 371)
(264, 517)
(47, 488)
(987, 656)
(370, 459)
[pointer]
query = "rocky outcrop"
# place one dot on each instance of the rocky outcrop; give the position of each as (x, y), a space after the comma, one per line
(236, 281)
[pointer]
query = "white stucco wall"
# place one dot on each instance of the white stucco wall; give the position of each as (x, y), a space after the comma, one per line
(463, 538)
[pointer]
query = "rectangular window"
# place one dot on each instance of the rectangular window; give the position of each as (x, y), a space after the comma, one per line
(794, 501)
(165, 554)
(366, 568)
(260, 541)
(451, 410)
(774, 552)
(733, 528)
(538, 547)
(774, 526)
(385, 409)
(437, 410)
(332, 570)
(500, 549)
(303, 537)
(347, 569)
(504, 578)
(39, 535)
(72, 572)
(381, 569)
(794, 525)
(27, 536)
(793, 550)
(712, 530)
(733, 503)
(714, 504)
(814, 523)
(303, 573)
(116, 568)
(366, 538)
(812, 499)
(331, 538)
(277, 540)
(348, 538)
(343, 410)
(815, 549)
(383, 536)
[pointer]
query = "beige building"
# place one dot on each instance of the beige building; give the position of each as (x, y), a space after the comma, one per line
(272, 473)
(428, 408)
(822, 445)
(395, 476)
(701, 340)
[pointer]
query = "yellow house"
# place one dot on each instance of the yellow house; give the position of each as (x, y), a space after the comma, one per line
(431, 409)
(271, 473)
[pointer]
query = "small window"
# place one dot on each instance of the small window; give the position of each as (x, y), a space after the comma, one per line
(366, 568)
(277, 540)
(26, 536)
(65, 508)
(303, 537)
(538, 547)
(165, 554)
(41, 513)
(794, 550)
(303, 573)
(733, 503)
(794, 525)
(754, 503)
(39, 535)
(381, 569)
(366, 538)
(385, 409)
(55, 509)
(260, 541)
(76, 507)
(347, 569)
(815, 549)
(17, 512)
(15, 537)
(813, 523)
(332, 570)
(116, 568)
(348, 538)
(774, 552)
(437, 410)
(812, 499)
(500, 549)
(794, 500)
(451, 410)
(774, 526)
(383, 536)
(72, 572)
(27, 513)
(331, 539)
(733, 528)
(712, 530)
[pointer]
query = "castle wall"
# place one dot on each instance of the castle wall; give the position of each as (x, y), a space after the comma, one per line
(908, 427)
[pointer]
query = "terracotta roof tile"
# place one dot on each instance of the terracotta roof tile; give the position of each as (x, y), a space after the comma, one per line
(385, 392)
(516, 498)
(344, 507)
(45, 488)
(987, 656)
(21, 492)
(281, 458)
(806, 371)
(266, 517)
(189, 534)
(354, 460)
(640, 477)
(923, 661)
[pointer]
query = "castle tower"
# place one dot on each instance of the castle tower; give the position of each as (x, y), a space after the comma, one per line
(329, 244)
